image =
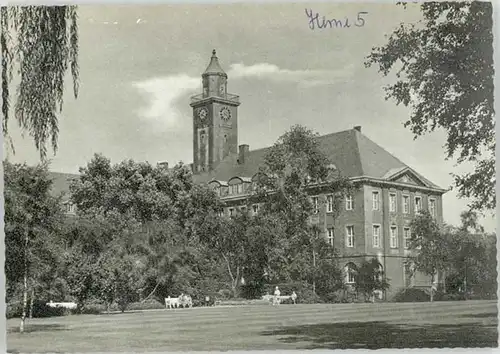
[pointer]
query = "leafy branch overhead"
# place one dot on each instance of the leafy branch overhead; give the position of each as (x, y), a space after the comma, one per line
(444, 73)
(39, 44)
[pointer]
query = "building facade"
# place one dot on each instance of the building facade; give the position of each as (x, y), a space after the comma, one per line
(374, 222)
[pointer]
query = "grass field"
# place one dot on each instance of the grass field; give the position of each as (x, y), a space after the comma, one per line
(370, 326)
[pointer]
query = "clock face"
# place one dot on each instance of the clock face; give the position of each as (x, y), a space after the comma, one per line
(225, 114)
(202, 113)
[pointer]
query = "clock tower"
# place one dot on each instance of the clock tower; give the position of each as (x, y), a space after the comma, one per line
(215, 120)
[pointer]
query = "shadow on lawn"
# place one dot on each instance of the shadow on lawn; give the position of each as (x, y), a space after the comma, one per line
(482, 315)
(29, 328)
(378, 334)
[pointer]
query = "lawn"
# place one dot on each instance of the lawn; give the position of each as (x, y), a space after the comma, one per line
(369, 326)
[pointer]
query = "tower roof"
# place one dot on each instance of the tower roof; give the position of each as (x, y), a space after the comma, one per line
(214, 67)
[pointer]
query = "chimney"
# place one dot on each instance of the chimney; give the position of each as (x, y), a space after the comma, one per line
(358, 128)
(243, 153)
(163, 164)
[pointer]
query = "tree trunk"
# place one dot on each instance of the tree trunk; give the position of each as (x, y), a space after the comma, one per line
(147, 297)
(465, 281)
(432, 288)
(314, 272)
(32, 302)
(25, 288)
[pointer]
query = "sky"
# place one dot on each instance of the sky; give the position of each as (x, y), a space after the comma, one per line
(140, 64)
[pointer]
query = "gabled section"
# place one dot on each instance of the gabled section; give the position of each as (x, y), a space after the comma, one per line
(408, 176)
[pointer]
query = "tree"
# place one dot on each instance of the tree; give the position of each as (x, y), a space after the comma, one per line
(43, 42)
(295, 168)
(473, 257)
(168, 209)
(444, 71)
(466, 253)
(146, 192)
(430, 246)
(225, 236)
(32, 218)
(370, 278)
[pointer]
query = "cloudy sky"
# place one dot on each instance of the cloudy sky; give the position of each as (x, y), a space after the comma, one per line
(140, 64)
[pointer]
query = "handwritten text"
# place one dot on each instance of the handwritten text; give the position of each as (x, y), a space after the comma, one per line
(321, 22)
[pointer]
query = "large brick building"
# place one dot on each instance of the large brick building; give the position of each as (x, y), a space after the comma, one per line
(374, 222)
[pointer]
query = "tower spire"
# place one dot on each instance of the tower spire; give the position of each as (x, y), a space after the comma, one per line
(214, 67)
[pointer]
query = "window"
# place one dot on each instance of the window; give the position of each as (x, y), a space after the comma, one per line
(239, 188)
(418, 204)
(392, 203)
(231, 211)
(329, 203)
(432, 207)
(331, 236)
(314, 201)
(348, 202)
(419, 238)
(220, 213)
(394, 236)
(70, 208)
(376, 236)
(407, 237)
(350, 236)
(376, 200)
(406, 204)
(408, 272)
(350, 274)
(243, 209)
(255, 209)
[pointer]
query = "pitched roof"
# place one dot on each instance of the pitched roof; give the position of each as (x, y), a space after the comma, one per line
(353, 153)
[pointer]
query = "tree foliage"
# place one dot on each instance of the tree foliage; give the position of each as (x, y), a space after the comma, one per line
(32, 217)
(466, 253)
(370, 278)
(444, 73)
(30, 210)
(154, 218)
(39, 43)
(295, 168)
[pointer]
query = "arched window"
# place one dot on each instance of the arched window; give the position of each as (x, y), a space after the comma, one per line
(378, 272)
(350, 273)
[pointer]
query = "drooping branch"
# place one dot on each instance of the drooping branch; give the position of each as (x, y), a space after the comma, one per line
(41, 42)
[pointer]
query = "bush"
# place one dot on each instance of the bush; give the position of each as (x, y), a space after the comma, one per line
(411, 295)
(40, 309)
(13, 309)
(251, 291)
(307, 296)
(285, 288)
(449, 297)
(149, 304)
(225, 294)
